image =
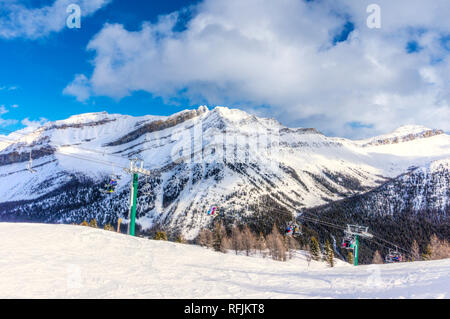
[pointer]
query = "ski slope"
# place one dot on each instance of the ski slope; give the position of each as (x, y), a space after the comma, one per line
(64, 261)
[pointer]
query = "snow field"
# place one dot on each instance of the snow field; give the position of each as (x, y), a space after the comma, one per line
(64, 261)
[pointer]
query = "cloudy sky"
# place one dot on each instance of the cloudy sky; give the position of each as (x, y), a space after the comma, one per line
(315, 63)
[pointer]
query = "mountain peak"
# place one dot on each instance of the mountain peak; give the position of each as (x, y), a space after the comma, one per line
(402, 134)
(410, 129)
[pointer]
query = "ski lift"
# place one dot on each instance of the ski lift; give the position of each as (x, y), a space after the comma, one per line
(393, 256)
(30, 165)
(293, 229)
(357, 230)
(348, 242)
(213, 211)
(111, 186)
(113, 182)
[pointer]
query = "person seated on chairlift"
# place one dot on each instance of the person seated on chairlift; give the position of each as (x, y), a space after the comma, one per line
(292, 230)
(347, 243)
(288, 230)
(112, 186)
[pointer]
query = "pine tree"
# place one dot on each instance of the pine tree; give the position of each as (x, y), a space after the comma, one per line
(93, 223)
(84, 223)
(180, 239)
(350, 257)
(315, 249)
(427, 253)
(160, 235)
(108, 227)
(377, 259)
(329, 254)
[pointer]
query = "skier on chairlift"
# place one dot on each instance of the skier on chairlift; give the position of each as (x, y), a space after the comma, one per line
(293, 230)
(111, 187)
(348, 243)
(212, 211)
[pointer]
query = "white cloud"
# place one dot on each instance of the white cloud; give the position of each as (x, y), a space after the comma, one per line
(3, 110)
(5, 122)
(8, 88)
(79, 88)
(17, 20)
(280, 54)
(34, 124)
(15, 106)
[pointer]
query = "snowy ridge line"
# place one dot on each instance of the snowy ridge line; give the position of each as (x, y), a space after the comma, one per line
(162, 168)
(98, 161)
(61, 146)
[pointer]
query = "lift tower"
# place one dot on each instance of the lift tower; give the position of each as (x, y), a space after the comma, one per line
(357, 231)
(134, 170)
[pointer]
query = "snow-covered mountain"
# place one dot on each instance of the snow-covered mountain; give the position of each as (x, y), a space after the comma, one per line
(198, 158)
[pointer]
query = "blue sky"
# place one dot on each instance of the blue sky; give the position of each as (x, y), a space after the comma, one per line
(35, 72)
(305, 63)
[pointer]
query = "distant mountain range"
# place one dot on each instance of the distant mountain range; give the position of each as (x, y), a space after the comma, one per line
(225, 157)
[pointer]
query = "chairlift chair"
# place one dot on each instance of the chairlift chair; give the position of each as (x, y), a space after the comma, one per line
(213, 211)
(293, 229)
(348, 242)
(111, 186)
(393, 256)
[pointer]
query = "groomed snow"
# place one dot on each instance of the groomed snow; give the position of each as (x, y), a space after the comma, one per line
(64, 261)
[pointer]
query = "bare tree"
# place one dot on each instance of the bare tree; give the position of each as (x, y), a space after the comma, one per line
(308, 254)
(261, 243)
(248, 240)
(415, 252)
(377, 259)
(226, 244)
(276, 245)
(205, 238)
(439, 248)
(218, 236)
(236, 239)
(291, 245)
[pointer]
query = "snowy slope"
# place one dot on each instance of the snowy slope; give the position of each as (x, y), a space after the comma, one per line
(198, 158)
(63, 261)
(421, 189)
